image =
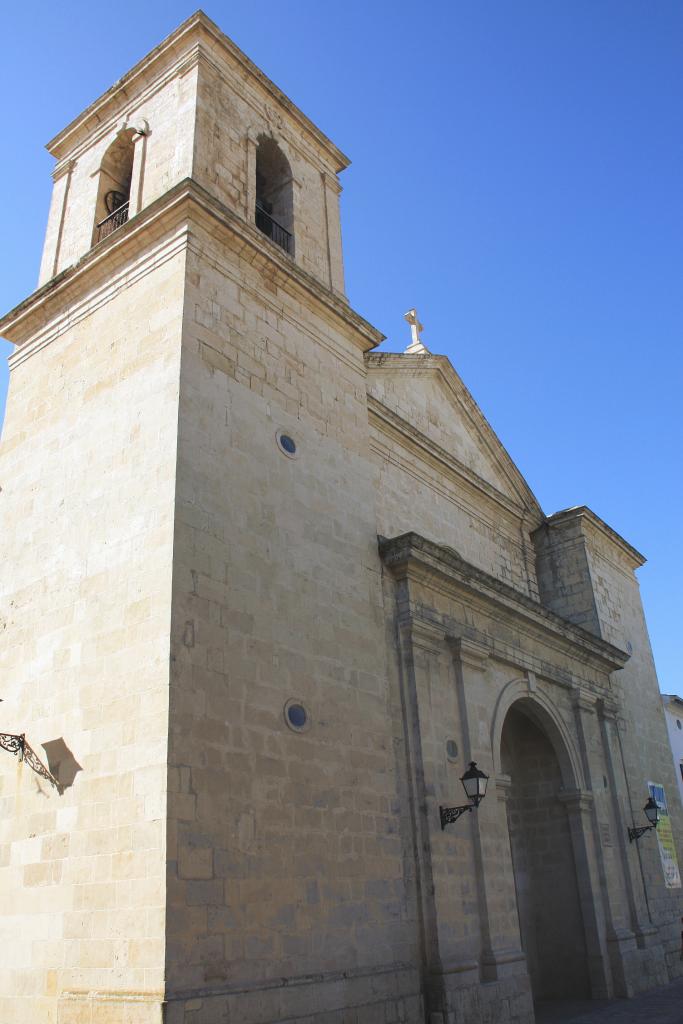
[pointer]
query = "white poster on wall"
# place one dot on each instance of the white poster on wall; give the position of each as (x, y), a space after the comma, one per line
(665, 838)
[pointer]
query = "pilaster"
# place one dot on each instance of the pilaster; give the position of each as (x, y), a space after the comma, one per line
(53, 241)
(585, 711)
(416, 647)
(641, 920)
(331, 192)
(138, 177)
(579, 807)
(250, 190)
(501, 952)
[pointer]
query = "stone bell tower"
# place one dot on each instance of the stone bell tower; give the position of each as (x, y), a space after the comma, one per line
(186, 505)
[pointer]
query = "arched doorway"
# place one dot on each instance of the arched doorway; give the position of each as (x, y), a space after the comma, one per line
(550, 919)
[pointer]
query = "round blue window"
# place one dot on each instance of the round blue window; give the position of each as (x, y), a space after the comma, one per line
(287, 444)
(296, 716)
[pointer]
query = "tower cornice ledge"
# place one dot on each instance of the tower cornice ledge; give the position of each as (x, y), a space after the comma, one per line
(173, 55)
(182, 207)
(589, 520)
(412, 556)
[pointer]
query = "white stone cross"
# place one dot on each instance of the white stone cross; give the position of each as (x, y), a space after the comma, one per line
(416, 347)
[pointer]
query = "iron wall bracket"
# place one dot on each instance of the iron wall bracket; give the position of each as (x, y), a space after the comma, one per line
(17, 744)
(450, 814)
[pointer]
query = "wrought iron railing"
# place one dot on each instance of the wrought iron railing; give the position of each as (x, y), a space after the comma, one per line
(112, 222)
(270, 227)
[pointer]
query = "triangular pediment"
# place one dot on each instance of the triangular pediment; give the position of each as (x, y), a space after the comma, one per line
(426, 393)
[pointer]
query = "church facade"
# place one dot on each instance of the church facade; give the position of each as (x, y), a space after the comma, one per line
(266, 594)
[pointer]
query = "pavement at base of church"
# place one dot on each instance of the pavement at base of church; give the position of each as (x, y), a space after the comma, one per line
(659, 1006)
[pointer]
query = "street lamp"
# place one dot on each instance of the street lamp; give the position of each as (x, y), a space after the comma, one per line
(474, 783)
(652, 814)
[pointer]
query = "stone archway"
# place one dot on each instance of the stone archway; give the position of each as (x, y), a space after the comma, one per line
(548, 902)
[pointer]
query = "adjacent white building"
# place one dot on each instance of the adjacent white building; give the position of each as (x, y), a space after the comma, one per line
(673, 706)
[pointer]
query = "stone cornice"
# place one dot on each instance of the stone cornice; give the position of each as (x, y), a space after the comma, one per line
(586, 517)
(82, 296)
(441, 368)
(413, 556)
(176, 50)
(186, 204)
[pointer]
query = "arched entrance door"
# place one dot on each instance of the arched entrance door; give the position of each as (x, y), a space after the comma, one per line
(550, 919)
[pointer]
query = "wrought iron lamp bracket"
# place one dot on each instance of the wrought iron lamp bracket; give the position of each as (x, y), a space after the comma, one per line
(16, 744)
(450, 814)
(636, 833)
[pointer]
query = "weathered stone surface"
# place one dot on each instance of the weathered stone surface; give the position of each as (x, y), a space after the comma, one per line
(180, 577)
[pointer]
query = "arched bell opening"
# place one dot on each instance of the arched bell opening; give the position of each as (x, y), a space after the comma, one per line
(274, 213)
(548, 900)
(113, 191)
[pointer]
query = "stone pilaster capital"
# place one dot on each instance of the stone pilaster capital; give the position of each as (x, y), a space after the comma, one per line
(142, 130)
(469, 653)
(426, 635)
(457, 966)
(331, 181)
(491, 957)
(584, 701)
(503, 784)
(196, 56)
(62, 168)
(576, 799)
(609, 709)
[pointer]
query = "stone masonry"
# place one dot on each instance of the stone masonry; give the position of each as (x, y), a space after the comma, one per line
(265, 593)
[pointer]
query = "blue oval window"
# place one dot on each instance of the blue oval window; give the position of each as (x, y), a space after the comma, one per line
(296, 715)
(287, 444)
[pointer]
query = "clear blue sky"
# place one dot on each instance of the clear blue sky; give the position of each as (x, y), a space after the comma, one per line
(517, 175)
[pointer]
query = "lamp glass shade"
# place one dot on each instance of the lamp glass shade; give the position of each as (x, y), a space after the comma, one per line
(652, 811)
(474, 782)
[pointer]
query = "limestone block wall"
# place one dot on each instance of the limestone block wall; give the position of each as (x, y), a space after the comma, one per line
(642, 726)
(586, 574)
(564, 580)
(422, 397)
(411, 491)
(463, 665)
(285, 853)
(87, 470)
(465, 688)
(234, 111)
(202, 106)
(433, 473)
(165, 107)
(455, 641)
